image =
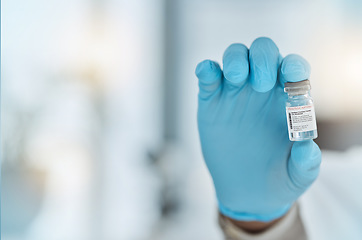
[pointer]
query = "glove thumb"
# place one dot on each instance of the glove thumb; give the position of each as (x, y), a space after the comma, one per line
(304, 163)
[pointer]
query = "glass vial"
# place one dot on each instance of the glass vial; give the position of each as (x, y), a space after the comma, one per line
(300, 111)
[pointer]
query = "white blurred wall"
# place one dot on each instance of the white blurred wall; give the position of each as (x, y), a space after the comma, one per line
(91, 72)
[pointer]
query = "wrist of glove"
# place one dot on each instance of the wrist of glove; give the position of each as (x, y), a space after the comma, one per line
(247, 216)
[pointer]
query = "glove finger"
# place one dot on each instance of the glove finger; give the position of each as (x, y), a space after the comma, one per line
(210, 76)
(294, 68)
(304, 163)
(236, 64)
(264, 62)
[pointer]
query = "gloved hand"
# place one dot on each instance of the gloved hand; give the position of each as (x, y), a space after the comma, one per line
(257, 172)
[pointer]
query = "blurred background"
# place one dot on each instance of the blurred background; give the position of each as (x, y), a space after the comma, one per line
(99, 101)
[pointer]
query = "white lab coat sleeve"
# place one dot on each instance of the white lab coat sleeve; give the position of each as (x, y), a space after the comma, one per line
(290, 227)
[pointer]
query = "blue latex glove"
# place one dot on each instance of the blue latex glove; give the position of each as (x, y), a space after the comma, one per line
(257, 172)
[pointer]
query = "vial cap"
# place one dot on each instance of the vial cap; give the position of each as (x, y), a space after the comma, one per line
(297, 84)
(297, 88)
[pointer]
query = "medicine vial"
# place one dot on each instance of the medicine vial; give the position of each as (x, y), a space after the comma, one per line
(300, 111)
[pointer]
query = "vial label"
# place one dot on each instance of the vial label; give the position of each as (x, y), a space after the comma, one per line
(301, 119)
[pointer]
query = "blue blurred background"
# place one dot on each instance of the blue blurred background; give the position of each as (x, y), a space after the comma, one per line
(99, 101)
